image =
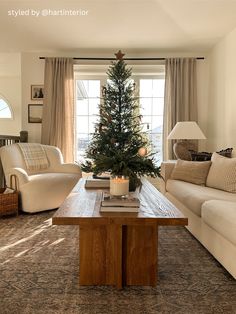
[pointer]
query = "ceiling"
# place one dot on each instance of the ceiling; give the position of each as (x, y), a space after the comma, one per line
(135, 25)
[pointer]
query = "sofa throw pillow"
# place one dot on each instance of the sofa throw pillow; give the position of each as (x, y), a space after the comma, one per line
(226, 152)
(203, 156)
(222, 174)
(200, 156)
(191, 171)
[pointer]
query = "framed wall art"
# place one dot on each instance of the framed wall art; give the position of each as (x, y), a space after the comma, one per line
(35, 113)
(37, 92)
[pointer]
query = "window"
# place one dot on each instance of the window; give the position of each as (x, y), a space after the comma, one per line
(5, 111)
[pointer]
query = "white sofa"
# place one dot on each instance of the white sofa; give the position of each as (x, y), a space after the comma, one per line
(43, 189)
(211, 215)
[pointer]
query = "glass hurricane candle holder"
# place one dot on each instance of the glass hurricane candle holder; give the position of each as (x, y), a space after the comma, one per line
(119, 186)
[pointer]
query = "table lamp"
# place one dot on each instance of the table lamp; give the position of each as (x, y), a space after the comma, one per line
(183, 132)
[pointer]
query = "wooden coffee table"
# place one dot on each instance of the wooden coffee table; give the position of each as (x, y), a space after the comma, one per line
(118, 248)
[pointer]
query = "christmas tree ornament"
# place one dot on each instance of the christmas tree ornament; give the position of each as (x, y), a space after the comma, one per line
(142, 151)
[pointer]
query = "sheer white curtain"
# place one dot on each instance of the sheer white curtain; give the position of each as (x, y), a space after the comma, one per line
(58, 108)
(180, 102)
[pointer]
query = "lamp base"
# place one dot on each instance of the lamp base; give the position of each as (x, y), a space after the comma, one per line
(181, 149)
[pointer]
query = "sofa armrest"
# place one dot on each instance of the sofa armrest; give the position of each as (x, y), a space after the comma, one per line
(166, 170)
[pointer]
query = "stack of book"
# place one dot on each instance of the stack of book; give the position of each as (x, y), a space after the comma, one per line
(97, 183)
(128, 204)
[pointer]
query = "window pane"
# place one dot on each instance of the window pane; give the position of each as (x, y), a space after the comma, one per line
(157, 145)
(85, 84)
(93, 88)
(158, 106)
(5, 111)
(82, 140)
(82, 107)
(158, 88)
(87, 88)
(145, 88)
(94, 106)
(82, 124)
(156, 140)
(92, 121)
(82, 145)
(146, 123)
(157, 123)
(146, 106)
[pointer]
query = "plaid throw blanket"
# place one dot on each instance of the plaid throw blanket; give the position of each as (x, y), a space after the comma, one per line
(34, 156)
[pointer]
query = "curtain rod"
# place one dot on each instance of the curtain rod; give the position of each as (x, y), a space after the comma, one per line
(137, 59)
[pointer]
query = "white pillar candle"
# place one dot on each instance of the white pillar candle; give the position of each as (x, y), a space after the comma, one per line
(119, 185)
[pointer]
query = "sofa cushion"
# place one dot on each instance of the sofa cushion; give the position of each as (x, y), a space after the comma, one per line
(193, 196)
(191, 171)
(222, 174)
(221, 216)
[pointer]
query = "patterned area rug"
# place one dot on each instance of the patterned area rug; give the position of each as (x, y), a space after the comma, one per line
(39, 270)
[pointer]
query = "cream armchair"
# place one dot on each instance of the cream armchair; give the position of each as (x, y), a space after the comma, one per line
(43, 189)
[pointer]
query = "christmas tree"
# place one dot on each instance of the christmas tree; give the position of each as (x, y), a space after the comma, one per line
(118, 144)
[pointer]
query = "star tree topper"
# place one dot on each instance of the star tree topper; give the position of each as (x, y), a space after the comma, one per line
(119, 55)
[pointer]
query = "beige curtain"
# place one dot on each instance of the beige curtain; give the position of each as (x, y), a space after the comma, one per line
(180, 102)
(58, 108)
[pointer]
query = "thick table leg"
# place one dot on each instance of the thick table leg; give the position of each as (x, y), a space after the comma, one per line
(118, 255)
(101, 255)
(140, 255)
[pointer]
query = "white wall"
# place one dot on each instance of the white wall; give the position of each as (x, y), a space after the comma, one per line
(221, 132)
(32, 74)
(10, 89)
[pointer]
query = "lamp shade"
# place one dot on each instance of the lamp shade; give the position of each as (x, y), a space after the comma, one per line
(186, 130)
